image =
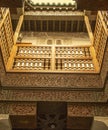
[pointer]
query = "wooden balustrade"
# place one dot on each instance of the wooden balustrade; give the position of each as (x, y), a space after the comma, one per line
(54, 59)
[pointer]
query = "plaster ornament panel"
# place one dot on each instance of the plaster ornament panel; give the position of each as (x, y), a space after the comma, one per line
(102, 110)
(3, 94)
(22, 109)
(81, 110)
(46, 80)
(48, 95)
(4, 108)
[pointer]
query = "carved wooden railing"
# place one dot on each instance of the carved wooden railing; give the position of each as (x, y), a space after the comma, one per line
(56, 58)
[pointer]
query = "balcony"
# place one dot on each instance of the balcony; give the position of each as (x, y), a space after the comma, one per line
(58, 53)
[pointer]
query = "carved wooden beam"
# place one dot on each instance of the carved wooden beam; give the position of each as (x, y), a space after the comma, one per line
(11, 3)
(92, 5)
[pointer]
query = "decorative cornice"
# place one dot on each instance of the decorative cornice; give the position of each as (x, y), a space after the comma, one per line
(51, 2)
(30, 5)
(74, 109)
(56, 95)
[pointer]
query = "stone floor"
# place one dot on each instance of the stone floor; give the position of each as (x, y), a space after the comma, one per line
(54, 38)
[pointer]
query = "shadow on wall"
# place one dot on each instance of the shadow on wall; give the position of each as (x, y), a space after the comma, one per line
(99, 125)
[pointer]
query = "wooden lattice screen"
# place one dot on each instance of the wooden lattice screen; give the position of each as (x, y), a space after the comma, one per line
(6, 34)
(101, 35)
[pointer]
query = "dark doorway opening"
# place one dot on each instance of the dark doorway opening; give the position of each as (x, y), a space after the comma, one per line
(51, 115)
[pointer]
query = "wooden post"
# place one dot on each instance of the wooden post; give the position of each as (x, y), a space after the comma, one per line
(88, 26)
(18, 28)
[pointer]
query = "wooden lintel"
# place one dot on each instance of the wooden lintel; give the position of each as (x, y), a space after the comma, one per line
(89, 28)
(18, 28)
(53, 16)
(52, 71)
